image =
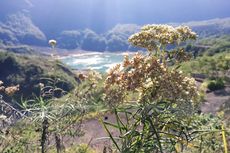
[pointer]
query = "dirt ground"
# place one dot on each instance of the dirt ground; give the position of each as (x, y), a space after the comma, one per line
(214, 100)
(94, 134)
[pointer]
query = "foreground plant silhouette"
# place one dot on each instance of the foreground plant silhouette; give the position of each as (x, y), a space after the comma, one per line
(42, 115)
(44, 122)
(155, 105)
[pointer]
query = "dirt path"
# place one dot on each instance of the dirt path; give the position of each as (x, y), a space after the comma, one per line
(214, 100)
(95, 134)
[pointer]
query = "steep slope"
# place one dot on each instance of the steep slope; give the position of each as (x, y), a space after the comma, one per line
(28, 71)
(211, 27)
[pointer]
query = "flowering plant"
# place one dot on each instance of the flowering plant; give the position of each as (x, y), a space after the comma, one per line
(155, 105)
(148, 75)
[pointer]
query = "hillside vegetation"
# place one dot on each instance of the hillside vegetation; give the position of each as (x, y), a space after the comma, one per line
(218, 64)
(216, 44)
(30, 70)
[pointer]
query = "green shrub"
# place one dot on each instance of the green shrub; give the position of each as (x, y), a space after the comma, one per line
(216, 84)
(28, 71)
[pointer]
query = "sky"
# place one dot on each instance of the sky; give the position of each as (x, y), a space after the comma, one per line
(101, 15)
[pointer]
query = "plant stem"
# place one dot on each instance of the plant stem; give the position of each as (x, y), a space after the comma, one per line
(157, 134)
(224, 139)
(58, 142)
(45, 125)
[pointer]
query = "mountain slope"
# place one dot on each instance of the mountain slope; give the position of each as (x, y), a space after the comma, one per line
(116, 39)
(210, 27)
(29, 70)
(19, 28)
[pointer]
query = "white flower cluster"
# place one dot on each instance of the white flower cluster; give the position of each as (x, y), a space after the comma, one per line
(155, 36)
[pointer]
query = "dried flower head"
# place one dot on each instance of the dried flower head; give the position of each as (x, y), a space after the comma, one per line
(52, 43)
(1, 83)
(11, 90)
(3, 117)
(41, 85)
(2, 88)
(153, 37)
(82, 76)
(145, 74)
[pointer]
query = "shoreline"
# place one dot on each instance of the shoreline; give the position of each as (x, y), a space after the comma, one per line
(65, 52)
